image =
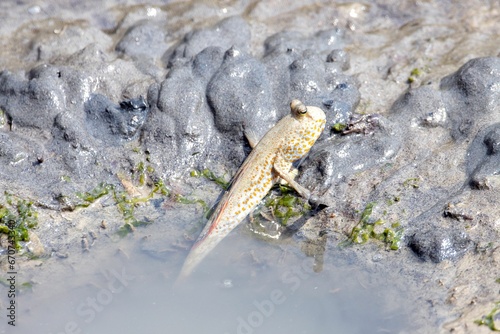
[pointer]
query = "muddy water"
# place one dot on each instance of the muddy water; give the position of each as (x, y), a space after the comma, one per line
(135, 293)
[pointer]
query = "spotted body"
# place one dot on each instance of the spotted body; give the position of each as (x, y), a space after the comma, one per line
(271, 159)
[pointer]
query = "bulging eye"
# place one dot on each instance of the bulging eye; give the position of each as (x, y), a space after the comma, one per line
(298, 107)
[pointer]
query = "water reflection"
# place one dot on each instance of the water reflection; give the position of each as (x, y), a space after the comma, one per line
(245, 286)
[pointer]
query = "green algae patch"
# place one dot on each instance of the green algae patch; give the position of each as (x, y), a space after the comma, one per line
(128, 197)
(209, 175)
(339, 127)
(22, 288)
(126, 204)
(393, 200)
(87, 198)
(65, 178)
(376, 230)
(129, 227)
(417, 73)
(3, 120)
(160, 188)
(414, 74)
(489, 319)
(283, 203)
(184, 200)
(17, 217)
(367, 212)
(142, 172)
(412, 182)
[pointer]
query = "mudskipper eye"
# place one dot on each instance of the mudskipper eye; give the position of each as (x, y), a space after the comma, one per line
(298, 107)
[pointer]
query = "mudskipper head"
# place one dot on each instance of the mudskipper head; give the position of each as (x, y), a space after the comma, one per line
(308, 114)
(302, 113)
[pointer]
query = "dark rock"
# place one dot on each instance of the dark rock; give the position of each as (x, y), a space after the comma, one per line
(180, 132)
(297, 69)
(308, 79)
(423, 106)
(334, 159)
(476, 80)
(340, 101)
(322, 41)
(110, 122)
(492, 140)
(207, 62)
(68, 127)
(285, 41)
(340, 57)
(34, 102)
(472, 95)
(194, 117)
(143, 40)
(239, 95)
(242, 93)
(438, 243)
(466, 100)
(11, 150)
(182, 98)
(483, 158)
(278, 71)
(131, 117)
(233, 31)
(46, 109)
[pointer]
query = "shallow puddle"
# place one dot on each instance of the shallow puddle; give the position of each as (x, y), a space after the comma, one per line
(246, 286)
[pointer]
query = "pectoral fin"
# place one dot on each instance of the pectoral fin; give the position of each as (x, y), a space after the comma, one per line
(252, 138)
(284, 170)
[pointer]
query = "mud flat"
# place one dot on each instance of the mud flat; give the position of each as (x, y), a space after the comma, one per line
(120, 124)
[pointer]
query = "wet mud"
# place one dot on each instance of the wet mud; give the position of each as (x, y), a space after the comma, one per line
(109, 117)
